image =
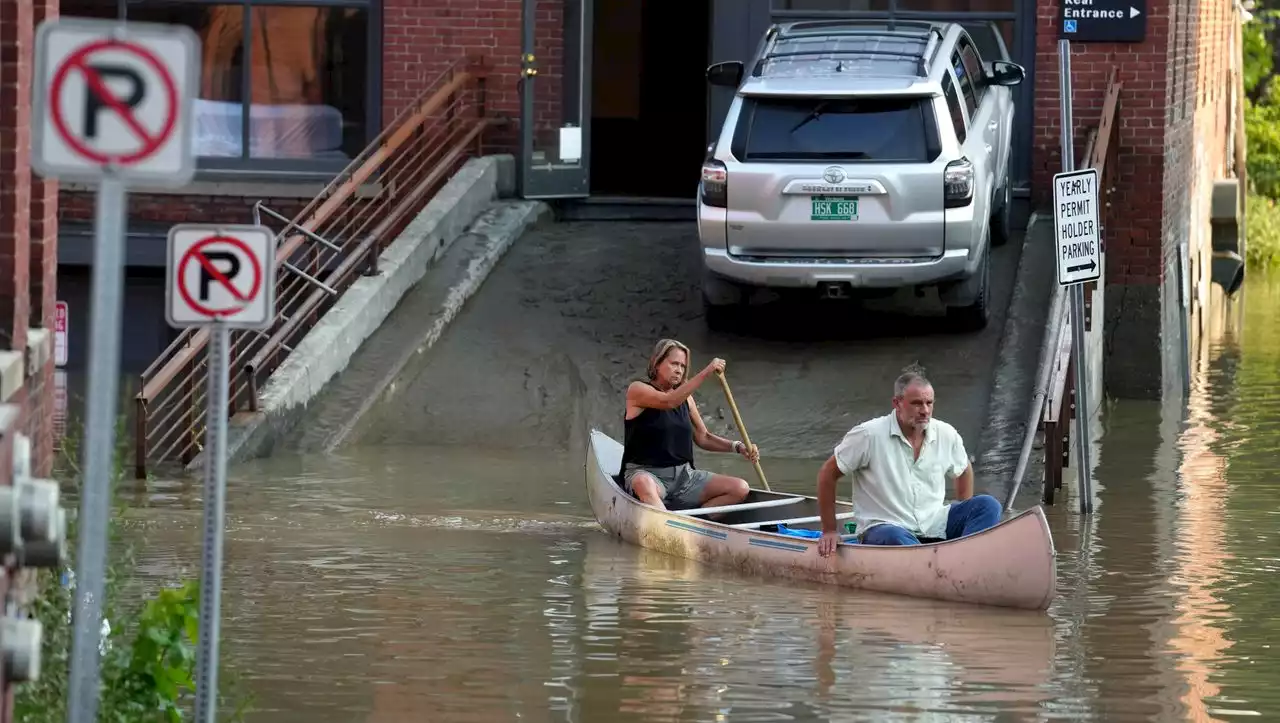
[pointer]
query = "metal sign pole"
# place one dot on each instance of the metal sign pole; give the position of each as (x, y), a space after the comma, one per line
(152, 144)
(98, 460)
(215, 485)
(1083, 440)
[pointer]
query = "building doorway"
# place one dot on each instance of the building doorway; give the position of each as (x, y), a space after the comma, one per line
(649, 97)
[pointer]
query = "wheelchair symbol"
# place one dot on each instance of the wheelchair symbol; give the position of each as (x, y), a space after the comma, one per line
(1068, 26)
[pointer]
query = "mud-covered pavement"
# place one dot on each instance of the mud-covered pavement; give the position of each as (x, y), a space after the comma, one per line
(568, 317)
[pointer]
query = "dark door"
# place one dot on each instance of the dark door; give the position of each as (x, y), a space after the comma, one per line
(555, 125)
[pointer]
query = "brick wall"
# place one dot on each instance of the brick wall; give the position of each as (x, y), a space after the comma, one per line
(1171, 147)
(28, 223)
(1133, 237)
(28, 260)
(77, 206)
(421, 38)
(42, 286)
(16, 32)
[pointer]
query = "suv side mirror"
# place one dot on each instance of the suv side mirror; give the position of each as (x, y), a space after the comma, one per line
(1005, 73)
(727, 73)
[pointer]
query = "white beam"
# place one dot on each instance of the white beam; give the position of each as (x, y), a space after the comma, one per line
(792, 521)
(742, 506)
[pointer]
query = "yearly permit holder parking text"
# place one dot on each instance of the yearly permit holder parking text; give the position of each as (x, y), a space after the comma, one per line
(833, 208)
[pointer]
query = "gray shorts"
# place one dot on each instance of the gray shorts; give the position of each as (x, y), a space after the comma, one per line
(681, 486)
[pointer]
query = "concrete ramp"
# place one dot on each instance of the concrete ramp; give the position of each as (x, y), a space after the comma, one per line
(567, 319)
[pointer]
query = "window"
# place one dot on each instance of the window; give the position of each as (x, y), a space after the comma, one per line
(953, 105)
(293, 79)
(966, 83)
(973, 70)
(836, 129)
(986, 37)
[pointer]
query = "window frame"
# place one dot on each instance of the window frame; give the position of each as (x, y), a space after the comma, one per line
(968, 94)
(745, 126)
(955, 106)
(975, 69)
(218, 168)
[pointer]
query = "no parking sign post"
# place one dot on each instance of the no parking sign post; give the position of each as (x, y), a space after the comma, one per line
(219, 277)
(111, 106)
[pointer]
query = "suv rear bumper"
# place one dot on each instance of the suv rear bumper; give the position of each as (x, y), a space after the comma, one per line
(952, 265)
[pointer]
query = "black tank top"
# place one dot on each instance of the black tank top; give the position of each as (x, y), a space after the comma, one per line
(658, 438)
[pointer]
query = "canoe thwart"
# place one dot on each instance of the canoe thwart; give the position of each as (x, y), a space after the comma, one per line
(742, 506)
(792, 521)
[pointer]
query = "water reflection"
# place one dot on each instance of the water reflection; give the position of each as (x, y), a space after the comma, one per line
(450, 584)
(765, 651)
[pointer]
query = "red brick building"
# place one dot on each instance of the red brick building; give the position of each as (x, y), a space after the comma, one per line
(1179, 131)
(322, 77)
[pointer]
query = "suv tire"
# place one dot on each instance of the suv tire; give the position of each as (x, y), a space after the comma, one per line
(1002, 219)
(975, 316)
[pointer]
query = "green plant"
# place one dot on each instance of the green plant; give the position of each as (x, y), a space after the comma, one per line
(1256, 52)
(148, 659)
(1262, 107)
(1262, 129)
(160, 666)
(1263, 247)
(1262, 133)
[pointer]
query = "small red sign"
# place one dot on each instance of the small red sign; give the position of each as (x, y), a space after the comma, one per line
(61, 322)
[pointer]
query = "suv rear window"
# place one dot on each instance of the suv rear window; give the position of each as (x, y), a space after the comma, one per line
(893, 129)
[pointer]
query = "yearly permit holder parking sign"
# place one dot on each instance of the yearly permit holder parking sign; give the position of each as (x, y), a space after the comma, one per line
(1077, 226)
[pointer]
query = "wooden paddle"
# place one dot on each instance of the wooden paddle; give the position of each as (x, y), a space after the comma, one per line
(742, 428)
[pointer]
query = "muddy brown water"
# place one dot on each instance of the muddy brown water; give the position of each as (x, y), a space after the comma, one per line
(452, 583)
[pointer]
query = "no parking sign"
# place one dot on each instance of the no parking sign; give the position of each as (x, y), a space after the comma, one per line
(111, 105)
(114, 98)
(221, 275)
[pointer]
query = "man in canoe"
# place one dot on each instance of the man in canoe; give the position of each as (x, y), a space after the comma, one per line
(901, 464)
(662, 424)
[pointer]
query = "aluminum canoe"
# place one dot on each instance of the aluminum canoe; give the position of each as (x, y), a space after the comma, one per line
(1010, 565)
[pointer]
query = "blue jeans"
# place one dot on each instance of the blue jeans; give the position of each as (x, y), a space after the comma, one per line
(964, 518)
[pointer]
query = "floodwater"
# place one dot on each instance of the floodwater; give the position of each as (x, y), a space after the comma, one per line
(446, 584)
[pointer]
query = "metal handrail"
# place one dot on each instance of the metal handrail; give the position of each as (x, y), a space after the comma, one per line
(319, 254)
(1050, 375)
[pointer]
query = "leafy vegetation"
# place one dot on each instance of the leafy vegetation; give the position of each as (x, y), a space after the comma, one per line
(1262, 109)
(1262, 130)
(148, 652)
(1263, 249)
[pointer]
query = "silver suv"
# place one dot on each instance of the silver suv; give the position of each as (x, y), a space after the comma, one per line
(859, 157)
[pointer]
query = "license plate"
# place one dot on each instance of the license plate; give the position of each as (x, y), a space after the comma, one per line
(827, 208)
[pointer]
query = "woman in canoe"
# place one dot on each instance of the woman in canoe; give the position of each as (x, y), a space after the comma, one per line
(661, 426)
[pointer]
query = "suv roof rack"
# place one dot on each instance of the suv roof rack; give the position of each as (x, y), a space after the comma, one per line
(925, 26)
(922, 29)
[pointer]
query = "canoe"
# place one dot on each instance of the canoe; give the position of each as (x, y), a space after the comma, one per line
(1010, 565)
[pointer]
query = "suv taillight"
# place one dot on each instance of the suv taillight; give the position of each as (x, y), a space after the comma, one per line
(957, 183)
(715, 184)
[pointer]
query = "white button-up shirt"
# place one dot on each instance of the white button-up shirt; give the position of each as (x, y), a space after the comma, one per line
(891, 485)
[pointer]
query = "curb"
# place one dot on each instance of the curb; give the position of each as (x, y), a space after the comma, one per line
(1015, 374)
